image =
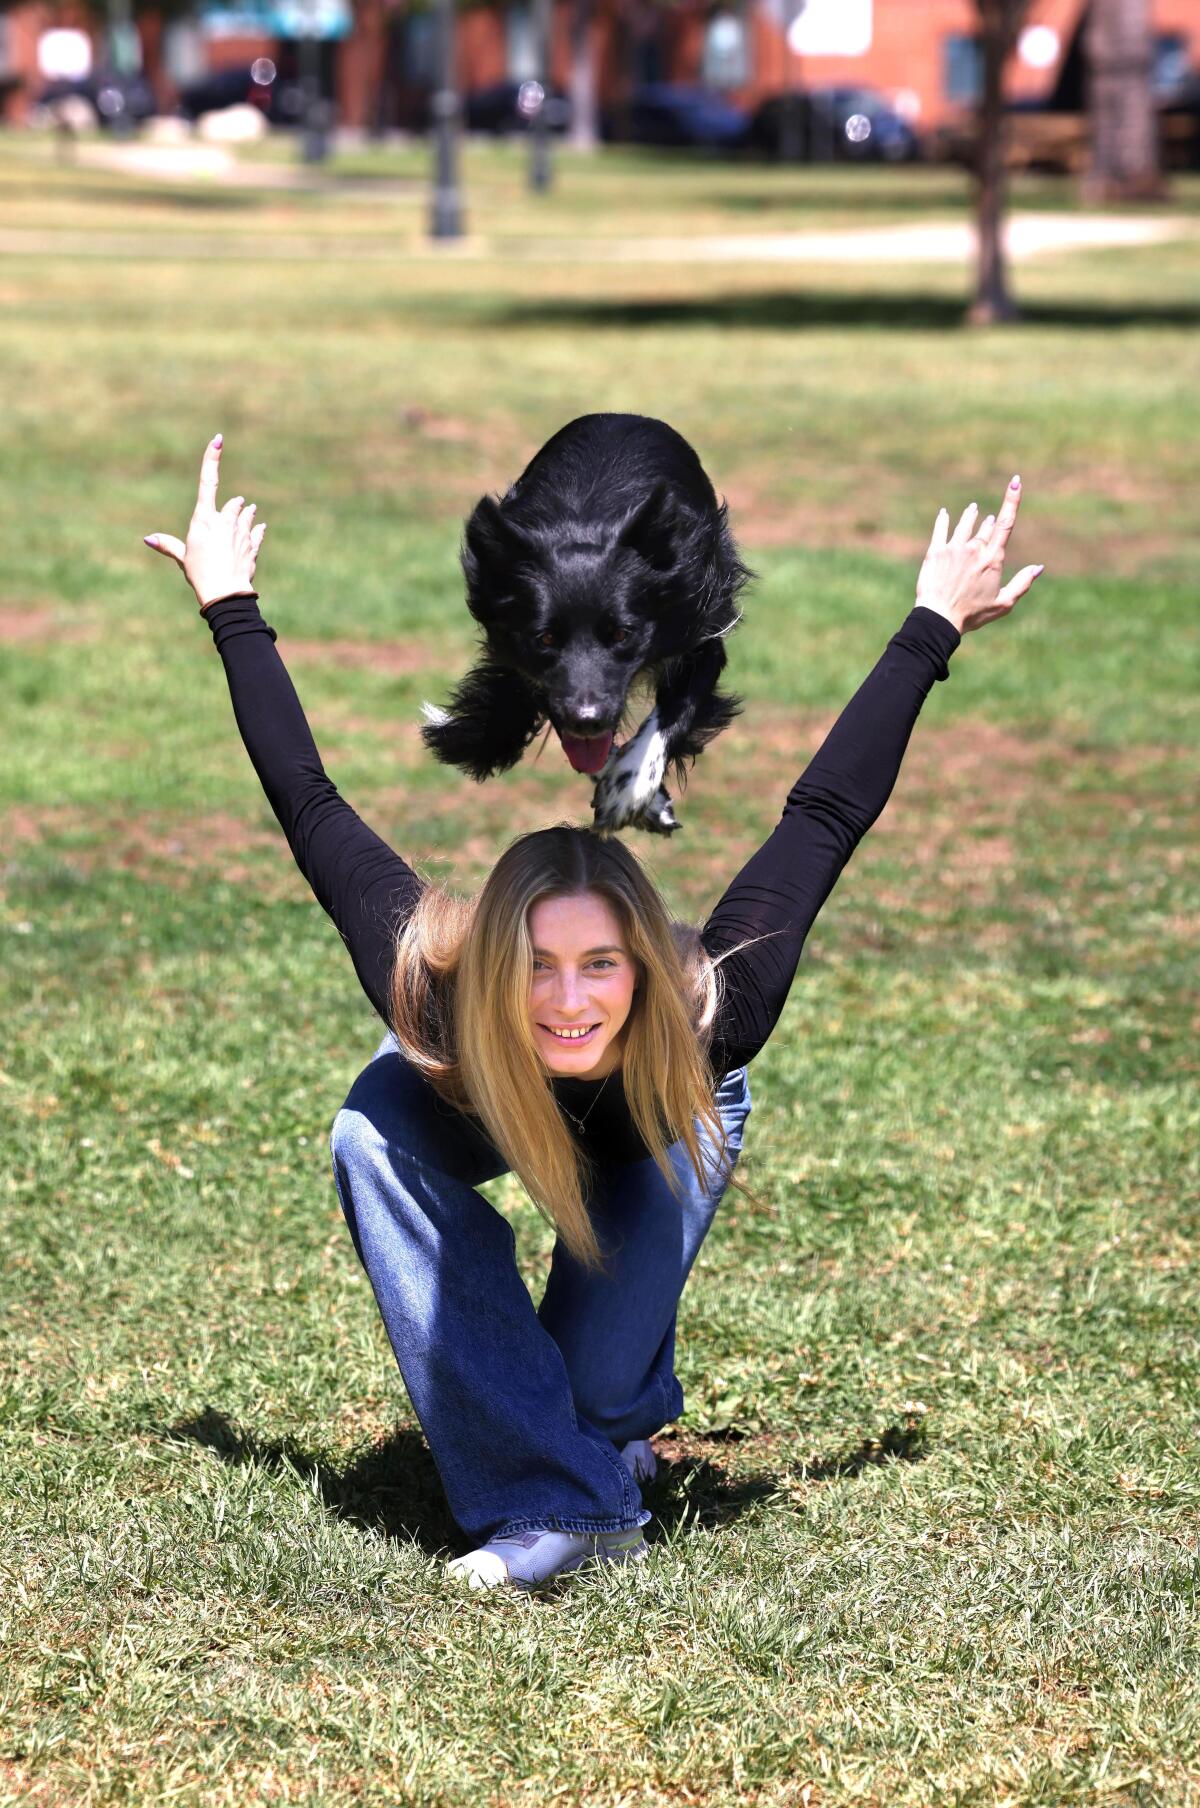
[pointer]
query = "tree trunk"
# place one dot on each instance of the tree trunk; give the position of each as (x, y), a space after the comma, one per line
(998, 21)
(1125, 161)
(585, 112)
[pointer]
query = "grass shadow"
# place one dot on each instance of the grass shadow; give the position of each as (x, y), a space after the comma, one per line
(166, 195)
(899, 311)
(393, 1488)
(692, 1485)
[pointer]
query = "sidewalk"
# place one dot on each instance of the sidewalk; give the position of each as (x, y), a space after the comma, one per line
(929, 242)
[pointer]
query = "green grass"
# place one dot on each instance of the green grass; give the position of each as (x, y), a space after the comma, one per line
(927, 1530)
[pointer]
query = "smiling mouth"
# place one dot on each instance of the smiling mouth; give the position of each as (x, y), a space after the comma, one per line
(568, 1035)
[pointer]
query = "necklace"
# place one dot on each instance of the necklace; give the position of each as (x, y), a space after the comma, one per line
(579, 1122)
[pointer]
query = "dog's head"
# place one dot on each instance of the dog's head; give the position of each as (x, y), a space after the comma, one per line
(580, 608)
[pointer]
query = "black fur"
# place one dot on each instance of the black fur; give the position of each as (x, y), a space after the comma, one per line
(609, 556)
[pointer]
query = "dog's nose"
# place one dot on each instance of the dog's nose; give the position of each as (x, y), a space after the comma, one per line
(585, 717)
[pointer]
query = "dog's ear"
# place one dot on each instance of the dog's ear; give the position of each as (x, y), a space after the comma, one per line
(651, 529)
(492, 546)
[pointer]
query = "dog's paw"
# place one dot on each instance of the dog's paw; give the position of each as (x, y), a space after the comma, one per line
(629, 791)
(659, 816)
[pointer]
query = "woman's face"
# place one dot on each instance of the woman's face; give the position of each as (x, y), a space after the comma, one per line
(583, 981)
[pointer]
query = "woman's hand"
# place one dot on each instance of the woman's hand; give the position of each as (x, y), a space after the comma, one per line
(960, 578)
(222, 546)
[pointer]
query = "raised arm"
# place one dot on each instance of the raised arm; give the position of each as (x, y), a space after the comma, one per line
(365, 886)
(775, 899)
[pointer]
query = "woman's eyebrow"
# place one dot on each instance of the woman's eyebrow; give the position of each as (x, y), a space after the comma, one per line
(545, 953)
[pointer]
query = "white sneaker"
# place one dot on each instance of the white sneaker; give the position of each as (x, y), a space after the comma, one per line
(527, 1558)
(639, 1458)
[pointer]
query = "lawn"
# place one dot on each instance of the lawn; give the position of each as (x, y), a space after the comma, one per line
(927, 1530)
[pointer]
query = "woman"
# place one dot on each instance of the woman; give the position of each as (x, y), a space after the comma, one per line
(563, 1027)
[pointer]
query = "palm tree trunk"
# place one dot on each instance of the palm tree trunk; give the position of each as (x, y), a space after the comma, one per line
(585, 113)
(1125, 163)
(998, 21)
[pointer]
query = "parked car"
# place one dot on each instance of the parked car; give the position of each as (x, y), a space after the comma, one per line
(664, 114)
(250, 84)
(511, 106)
(823, 125)
(111, 97)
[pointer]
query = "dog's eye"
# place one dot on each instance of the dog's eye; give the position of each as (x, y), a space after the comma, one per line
(618, 636)
(547, 640)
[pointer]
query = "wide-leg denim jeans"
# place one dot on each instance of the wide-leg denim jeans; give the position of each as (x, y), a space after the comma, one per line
(523, 1410)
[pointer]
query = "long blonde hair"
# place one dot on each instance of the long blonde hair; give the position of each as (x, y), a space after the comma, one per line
(460, 1010)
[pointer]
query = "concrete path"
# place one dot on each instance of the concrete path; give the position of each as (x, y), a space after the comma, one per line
(1028, 235)
(929, 242)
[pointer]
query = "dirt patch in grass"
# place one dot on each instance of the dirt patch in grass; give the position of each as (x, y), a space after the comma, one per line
(978, 814)
(973, 806)
(159, 847)
(37, 624)
(1151, 516)
(390, 658)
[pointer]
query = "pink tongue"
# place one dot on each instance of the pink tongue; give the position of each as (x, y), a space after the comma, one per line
(587, 753)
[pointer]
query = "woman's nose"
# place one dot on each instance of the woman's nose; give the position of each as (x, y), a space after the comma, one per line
(568, 993)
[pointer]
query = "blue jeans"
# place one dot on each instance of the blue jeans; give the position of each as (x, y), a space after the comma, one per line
(523, 1411)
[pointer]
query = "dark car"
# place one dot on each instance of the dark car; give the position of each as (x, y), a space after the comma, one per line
(826, 125)
(663, 114)
(256, 84)
(112, 97)
(512, 106)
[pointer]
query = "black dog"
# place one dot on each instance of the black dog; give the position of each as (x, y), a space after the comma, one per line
(609, 557)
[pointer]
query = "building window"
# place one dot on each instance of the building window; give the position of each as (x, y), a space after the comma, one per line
(962, 68)
(725, 62)
(1171, 67)
(520, 41)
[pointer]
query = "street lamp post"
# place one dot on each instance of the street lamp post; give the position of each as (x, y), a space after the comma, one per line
(124, 56)
(446, 219)
(540, 172)
(314, 142)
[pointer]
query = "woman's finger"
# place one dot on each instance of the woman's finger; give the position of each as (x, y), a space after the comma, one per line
(962, 532)
(984, 530)
(1006, 519)
(210, 471)
(1018, 585)
(256, 538)
(941, 529)
(246, 520)
(233, 508)
(167, 543)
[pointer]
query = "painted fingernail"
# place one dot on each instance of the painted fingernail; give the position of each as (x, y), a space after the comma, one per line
(150, 539)
(1015, 484)
(218, 439)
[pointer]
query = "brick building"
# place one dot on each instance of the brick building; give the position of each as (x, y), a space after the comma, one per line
(919, 53)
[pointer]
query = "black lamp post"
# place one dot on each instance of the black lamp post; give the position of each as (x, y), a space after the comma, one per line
(540, 171)
(446, 220)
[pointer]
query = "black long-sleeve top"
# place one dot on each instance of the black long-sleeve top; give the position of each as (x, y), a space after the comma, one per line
(369, 891)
